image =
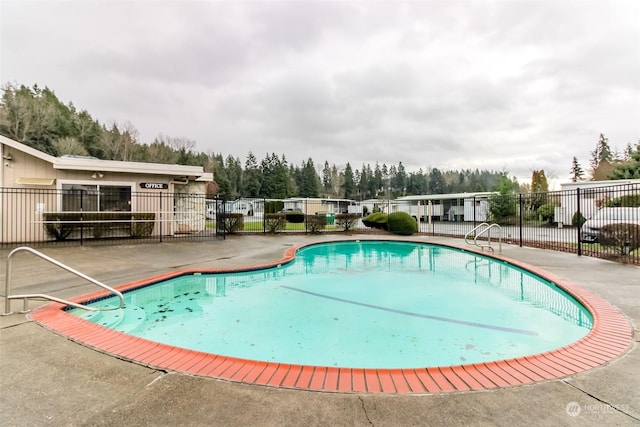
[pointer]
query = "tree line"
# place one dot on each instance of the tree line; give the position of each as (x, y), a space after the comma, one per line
(35, 117)
(606, 163)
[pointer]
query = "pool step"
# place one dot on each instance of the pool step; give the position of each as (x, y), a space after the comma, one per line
(123, 320)
(134, 316)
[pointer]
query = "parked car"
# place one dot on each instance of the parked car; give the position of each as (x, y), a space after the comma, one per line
(591, 228)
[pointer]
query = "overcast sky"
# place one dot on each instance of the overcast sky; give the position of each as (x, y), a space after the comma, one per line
(502, 85)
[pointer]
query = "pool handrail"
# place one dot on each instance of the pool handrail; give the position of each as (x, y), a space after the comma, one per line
(485, 227)
(25, 297)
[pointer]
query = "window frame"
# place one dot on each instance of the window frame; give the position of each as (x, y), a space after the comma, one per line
(98, 185)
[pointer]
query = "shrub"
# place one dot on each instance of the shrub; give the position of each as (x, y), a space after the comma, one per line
(546, 213)
(101, 222)
(315, 223)
(100, 229)
(376, 220)
(503, 208)
(274, 222)
(578, 219)
(347, 220)
(142, 224)
(623, 237)
(365, 210)
(57, 226)
(628, 200)
(233, 222)
(402, 223)
(295, 217)
(273, 206)
(61, 224)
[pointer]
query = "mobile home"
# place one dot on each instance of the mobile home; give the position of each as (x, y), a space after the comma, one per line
(446, 207)
(590, 196)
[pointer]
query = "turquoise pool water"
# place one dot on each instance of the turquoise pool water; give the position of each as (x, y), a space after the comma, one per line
(365, 304)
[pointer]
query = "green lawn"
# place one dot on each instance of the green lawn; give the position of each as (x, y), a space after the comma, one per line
(257, 226)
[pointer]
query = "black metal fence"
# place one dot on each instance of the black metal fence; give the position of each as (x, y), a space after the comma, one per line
(600, 221)
(77, 217)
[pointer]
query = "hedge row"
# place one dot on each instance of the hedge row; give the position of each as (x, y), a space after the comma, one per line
(623, 237)
(60, 225)
(376, 220)
(397, 222)
(274, 222)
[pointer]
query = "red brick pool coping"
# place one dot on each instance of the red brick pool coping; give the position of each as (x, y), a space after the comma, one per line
(610, 336)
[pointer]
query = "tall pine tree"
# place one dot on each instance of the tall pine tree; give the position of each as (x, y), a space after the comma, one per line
(577, 173)
(601, 159)
(348, 185)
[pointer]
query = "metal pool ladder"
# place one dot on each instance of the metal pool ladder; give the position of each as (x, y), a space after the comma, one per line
(484, 228)
(25, 297)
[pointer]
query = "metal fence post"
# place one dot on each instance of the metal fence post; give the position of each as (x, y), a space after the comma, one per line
(580, 214)
(306, 223)
(81, 219)
(161, 216)
(475, 219)
(264, 211)
(520, 203)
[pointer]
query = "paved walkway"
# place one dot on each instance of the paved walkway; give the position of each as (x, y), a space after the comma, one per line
(46, 379)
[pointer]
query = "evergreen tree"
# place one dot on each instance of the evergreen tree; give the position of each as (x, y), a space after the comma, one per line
(378, 181)
(295, 176)
(275, 177)
(283, 178)
(417, 183)
(629, 169)
(393, 190)
(221, 179)
(326, 179)
(308, 184)
(400, 180)
(267, 177)
(87, 132)
(627, 155)
(348, 186)
(362, 180)
(577, 173)
(371, 186)
(437, 184)
(336, 181)
(252, 176)
(601, 158)
(234, 171)
(385, 179)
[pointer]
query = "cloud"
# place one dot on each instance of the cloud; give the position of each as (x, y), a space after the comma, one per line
(514, 85)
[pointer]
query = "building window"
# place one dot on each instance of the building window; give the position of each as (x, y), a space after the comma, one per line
(95, 198)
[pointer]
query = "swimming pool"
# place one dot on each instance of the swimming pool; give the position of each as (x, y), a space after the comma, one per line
(366, 304)
(397, 321)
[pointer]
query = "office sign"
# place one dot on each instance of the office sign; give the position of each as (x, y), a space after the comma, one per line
(154, 185)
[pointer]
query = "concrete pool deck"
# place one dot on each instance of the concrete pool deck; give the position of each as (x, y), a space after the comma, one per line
(47, 379)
